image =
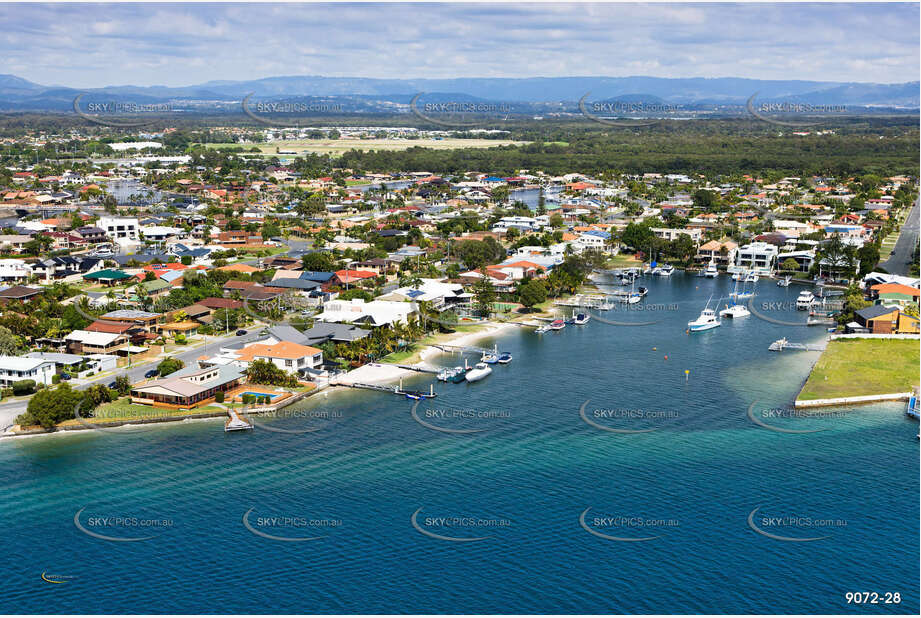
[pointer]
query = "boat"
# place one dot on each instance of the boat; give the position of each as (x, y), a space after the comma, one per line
(416, 395)
(631, 298)
(751, 277)
(581, 318)
(804, 300)
(737, 295)
(445, 374)
(665, 270)
(705, 321)
(540, 330)
(778, 345)
(505, 358)
(785, 282)
(735, 311)
(460, 375)
(642, 291)
(489, 359)
(557, 324)
(738, 276)
(711, 271)
(479, 371)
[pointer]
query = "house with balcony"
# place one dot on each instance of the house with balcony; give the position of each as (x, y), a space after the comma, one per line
(16, 368)
(721, 253)
(91, 342)
(759, 257)
(188, 388)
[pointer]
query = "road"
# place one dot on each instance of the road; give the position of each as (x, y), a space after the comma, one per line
(897, 264)
(9, 411)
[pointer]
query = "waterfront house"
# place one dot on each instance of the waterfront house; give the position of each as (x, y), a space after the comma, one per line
(721, 253)
(286, 355)
(358, 311)
(188, 388)
(878, 319)
(760, 257)
(894, 294)
(16, 368)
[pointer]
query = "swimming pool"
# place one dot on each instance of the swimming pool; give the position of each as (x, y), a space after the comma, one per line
(271, 396)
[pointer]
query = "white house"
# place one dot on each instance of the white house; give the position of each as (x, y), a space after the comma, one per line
(14, 270)
(760, 257)
(672, 234)
(374, 313)
(439, 294)
(16, 368)
(120, 228)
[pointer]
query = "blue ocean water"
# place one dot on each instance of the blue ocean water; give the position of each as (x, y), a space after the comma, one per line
(522, 482)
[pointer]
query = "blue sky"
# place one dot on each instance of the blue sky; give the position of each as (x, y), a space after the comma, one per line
(93, 45)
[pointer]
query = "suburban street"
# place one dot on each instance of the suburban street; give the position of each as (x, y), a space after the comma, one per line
(897, 264)
(10, 410)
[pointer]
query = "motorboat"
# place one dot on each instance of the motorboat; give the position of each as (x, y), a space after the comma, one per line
(738, 276)
(479, 371)
(557, 324)
(490, 359)
(460, 375)
(705, 321)
(711, 271)
(631, 298)
(505, 358)
(735, 311)
(446, 374)
(665, 270)
(581, 318)
(785, 282)
(540, 330)
(804, 300)
(751, 277)
(642, 291)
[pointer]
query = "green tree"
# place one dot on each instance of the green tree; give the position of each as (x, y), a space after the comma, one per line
(484, 295)
(51, 406)
(10, 344)
(532, 293)
(266, 372)
(123, 384)
(169, 365)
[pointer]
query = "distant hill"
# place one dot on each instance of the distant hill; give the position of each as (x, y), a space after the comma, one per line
(17, 93)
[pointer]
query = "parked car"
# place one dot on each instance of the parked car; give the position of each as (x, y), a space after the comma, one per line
(152, 373)
(111, 384)
(241, 332)
(65, 376)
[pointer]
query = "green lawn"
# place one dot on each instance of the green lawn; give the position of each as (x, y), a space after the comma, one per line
(855, 367)
(624, 261)
(123, 409)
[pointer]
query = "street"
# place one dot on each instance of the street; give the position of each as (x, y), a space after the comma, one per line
(897, 264)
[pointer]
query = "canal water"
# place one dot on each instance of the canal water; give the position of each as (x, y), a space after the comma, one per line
(687, 506)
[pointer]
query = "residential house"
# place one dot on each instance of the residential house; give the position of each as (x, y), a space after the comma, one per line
(94, 342)
(19, 293)
(760, 257)
(16, 368)
(721, 253)
(373, 313)
(189, 387)
(890, 294)
(14, 270)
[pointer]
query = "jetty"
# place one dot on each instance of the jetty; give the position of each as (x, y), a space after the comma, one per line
(236, 421)
(396, 390)
(782, 344)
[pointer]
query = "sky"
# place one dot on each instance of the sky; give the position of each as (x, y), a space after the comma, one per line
(96, 45)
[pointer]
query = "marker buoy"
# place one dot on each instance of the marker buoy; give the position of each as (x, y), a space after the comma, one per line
(654, 349)
(686, 374)
(666, 357)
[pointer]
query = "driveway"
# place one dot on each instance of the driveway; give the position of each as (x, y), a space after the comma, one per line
(897, 264)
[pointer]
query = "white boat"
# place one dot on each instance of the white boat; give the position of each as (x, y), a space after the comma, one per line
(479, 371)
(631, 298)
(751, 277)
(664, 271)
(737, 295)
(785, 282)
(490, 359)
(557, 325)
(505, 358)
(581, 318)
(542, 329)
(711, 271)
(805, 300)
(735, 311)
(705, 321)
(778, 345)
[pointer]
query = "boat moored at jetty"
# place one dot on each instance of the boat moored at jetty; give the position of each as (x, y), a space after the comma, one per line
(581, 318)
(711, 271)
(805, 300)
(479, 371)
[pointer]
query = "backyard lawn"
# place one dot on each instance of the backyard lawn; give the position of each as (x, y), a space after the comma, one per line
(855, 367)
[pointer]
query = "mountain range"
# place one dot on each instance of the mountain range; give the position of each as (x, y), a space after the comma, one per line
(18, 94)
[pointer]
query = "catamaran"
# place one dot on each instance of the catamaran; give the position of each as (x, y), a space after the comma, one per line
(735, 310)
(705, 321)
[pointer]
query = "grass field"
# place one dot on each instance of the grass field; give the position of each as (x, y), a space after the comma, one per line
(338, 146)
(625, 261)
(854, 367)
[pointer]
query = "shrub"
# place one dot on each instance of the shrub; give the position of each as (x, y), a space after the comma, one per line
(55, 378)
(24, 387)
(264, 399)
(219, 397)
(247, 399)
(6, 392)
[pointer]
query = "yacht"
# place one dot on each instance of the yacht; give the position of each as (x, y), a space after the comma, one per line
(711, 271)
(785, 282)
(705, 321)
(751, 277)
(581, 318)
(489, 359)
(804, 300)
(642, 291)
(665, 270)
(735, 311)
(460, 374)
(505, 358)
(540, 330)
(479, 371)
